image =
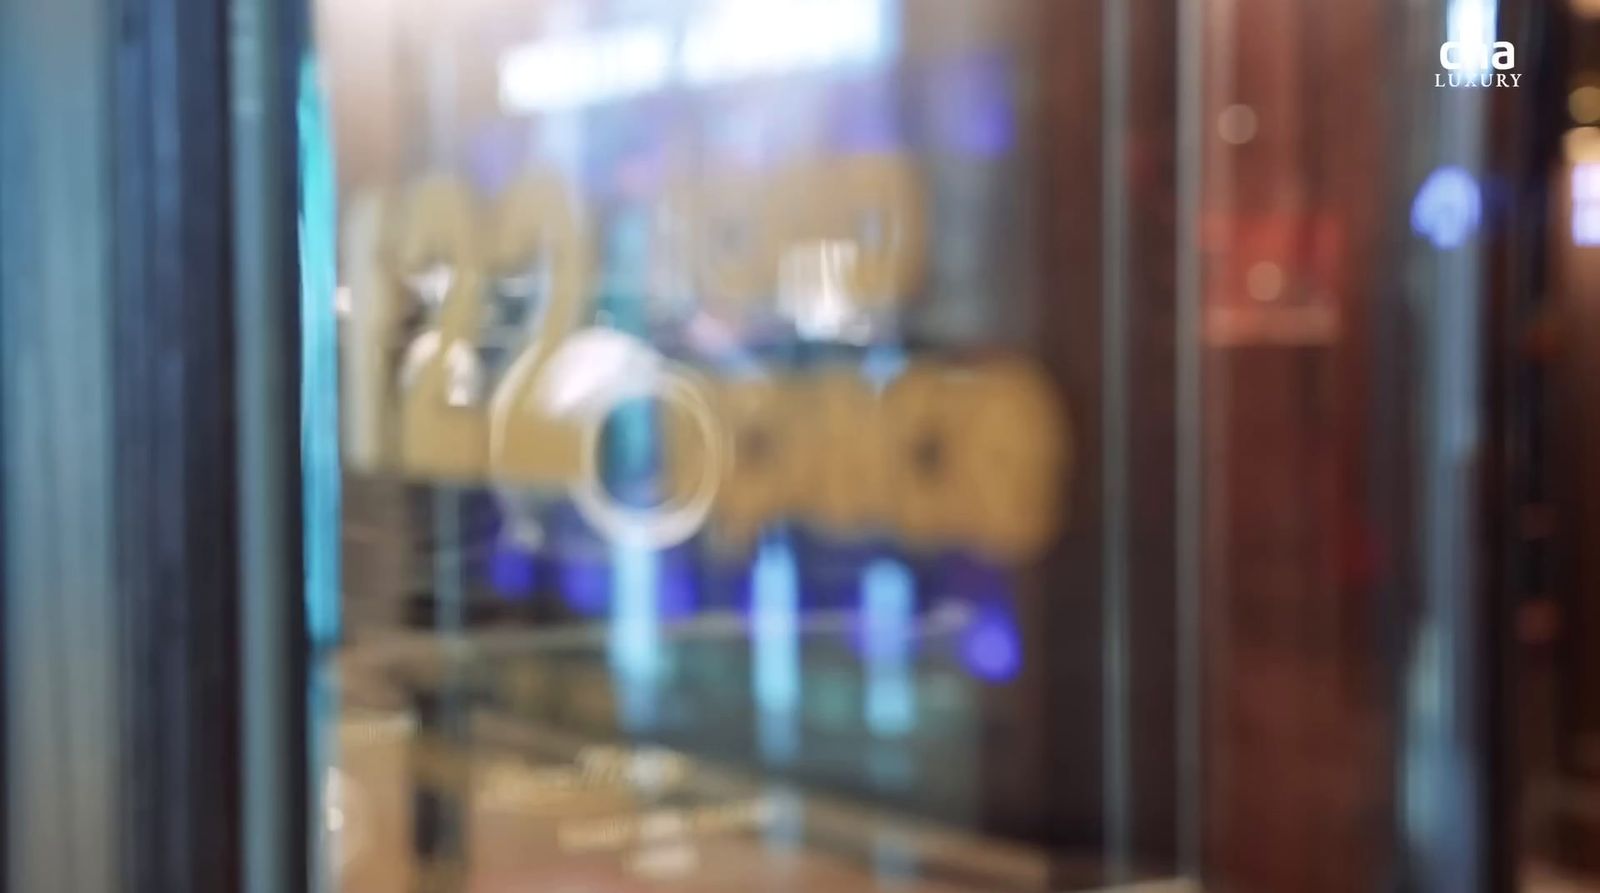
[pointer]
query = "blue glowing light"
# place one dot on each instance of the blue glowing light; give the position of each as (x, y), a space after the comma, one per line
(319, 358)
(991, 647)
(585, 587)
(679, 583)
(976, 115)
(1448, 208)
(775, 596)
(888, 601)
(635, 635)
(513, 572)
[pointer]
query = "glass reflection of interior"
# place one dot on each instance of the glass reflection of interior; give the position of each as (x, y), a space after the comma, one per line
(936, 445)
(703, 455)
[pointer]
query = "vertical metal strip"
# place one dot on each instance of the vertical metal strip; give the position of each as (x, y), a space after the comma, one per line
(1114, 433)
(1443, 749)
(270, 576)
(5, 475)
(1190, 447)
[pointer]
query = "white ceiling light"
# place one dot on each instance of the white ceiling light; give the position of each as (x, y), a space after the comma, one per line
(736, 41)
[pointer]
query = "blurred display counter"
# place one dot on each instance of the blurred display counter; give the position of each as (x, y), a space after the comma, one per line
(504, 759)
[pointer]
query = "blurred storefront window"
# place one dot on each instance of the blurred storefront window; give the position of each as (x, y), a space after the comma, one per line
(907, 443)
(721, 501)
(608, 446)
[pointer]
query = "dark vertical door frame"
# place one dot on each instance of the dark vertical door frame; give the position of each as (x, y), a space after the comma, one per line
(1525, 145)
(216, 788)
(205, 345)
(177, 542)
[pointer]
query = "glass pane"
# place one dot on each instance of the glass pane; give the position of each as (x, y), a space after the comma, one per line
(943, 445)
(737, 494)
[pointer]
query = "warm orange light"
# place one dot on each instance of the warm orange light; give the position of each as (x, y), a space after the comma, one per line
(1582, 144)
(1584, 104)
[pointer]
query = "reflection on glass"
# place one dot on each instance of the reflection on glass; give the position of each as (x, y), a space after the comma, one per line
(706, 456)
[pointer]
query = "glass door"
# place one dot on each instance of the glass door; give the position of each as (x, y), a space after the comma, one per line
(740, 484)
